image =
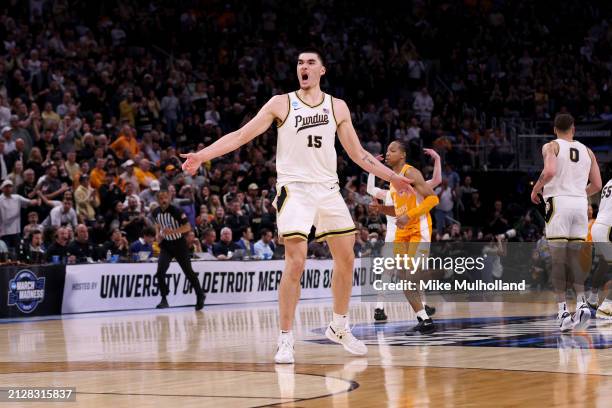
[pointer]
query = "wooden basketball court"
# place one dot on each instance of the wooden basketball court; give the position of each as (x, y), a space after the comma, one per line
(484, 354)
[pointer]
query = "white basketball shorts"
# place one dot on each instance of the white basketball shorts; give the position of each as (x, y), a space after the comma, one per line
(566, 219)
(299, 206)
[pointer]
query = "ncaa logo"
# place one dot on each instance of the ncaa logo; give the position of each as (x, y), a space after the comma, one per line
(294, 104)
(26, 291)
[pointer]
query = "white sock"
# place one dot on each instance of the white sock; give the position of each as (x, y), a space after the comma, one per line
(593, 296)
(340, 320)
(287, 333)
(422, 314)
(580, 299)
(562, 308)
(380, 305)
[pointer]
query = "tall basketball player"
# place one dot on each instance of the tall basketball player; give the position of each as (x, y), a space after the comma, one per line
(308, 190)
(602, 238)
(413, 233)
(385, 196)
(569, 177)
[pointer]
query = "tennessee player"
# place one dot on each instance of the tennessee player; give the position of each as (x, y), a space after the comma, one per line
(413, 233)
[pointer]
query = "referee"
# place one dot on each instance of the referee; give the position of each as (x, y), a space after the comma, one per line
(170, 225)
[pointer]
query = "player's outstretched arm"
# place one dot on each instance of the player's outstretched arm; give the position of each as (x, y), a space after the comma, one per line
(350, 141)
(436, 178)
(276, 107)
(595, 182)
(549, 152)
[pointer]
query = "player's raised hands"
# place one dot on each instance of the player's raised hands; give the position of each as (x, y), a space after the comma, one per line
(432, 153)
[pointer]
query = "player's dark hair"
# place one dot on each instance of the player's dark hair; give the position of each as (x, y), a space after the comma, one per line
(401, 145)
(564, 122)
(313, 50)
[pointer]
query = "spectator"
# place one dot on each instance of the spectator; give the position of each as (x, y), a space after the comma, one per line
(236, 220)
(32, 225)
(246, 242)
(147, 196)
(192, 243)
(81, 248)
(143, 244)
(59, 247)
(225, 247)
(423, 105)
(33, 251)
(209, 236)
(118, 244)
(98, 174)
(498, 223)
(4, 168)
(10, 214)
(86, 199)
(126, 146)
(16, 176)
(170, 110)
(19, 154)
(264, 248)
(62, 212)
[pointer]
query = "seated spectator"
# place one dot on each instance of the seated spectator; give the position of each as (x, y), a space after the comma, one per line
(32, 251)
(144, 243)
(81, 248)
(118, 244)
(192, 243)
(59, 247)
(246, 242)
(264, 248)
(209, 236)
(225, 245)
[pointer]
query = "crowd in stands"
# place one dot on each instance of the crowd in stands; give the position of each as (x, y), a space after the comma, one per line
(98, 100)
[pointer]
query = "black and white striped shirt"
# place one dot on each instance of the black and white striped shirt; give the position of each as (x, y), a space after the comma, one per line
(173, 217)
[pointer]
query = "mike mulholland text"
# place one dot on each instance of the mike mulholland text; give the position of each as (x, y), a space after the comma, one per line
(437, 285)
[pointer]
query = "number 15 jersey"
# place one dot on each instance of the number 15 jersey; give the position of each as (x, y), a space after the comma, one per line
(305, 149)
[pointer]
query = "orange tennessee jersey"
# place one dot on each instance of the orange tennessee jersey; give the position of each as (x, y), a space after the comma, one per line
(418, 228)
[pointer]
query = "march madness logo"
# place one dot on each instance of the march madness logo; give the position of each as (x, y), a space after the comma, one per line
(520, 331)
(26, 291)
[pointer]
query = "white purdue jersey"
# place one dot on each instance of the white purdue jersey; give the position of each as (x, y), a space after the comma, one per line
(604, 216)
(305, 149)
(573, 168)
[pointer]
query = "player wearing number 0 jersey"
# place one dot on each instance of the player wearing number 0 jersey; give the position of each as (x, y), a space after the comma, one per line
(570, 175)
(308, 192)
(602, 238)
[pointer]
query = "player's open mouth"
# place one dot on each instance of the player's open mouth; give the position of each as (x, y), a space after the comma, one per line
(304, 77)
